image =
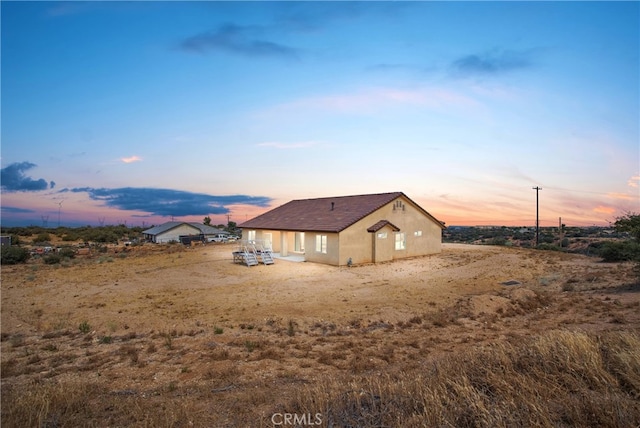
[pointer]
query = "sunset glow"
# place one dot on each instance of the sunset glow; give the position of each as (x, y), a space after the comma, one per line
(110, 115)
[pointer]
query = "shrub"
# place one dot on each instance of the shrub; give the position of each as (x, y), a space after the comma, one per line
(43, 237)
(84, 327)
(52, 259)
(498, 240)
(548, 247)
(105, 339)
(619, 251)
(13, 255)
(69, 237)
(67, 252)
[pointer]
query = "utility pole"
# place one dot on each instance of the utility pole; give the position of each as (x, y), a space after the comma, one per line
(59, 209)
(537, 189)
(560, 231)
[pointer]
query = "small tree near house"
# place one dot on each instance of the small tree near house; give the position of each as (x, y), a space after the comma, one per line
(627, 250)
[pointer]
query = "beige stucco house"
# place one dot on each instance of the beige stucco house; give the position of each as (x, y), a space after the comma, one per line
(348, 229)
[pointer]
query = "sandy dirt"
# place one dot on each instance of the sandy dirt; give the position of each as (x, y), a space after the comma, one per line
(161, 317)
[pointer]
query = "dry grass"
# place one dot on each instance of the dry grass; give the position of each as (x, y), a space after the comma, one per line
(558, 379)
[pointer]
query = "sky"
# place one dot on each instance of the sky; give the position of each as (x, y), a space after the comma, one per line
(139, 113)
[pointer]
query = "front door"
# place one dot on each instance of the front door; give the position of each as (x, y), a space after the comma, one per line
(383, 242)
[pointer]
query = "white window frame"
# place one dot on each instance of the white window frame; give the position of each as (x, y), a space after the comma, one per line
(401, 241)
(321, 244)
(417, 233)
(382, 235)
(251, 236)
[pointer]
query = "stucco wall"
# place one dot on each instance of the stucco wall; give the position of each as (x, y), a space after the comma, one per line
(356, 242)
(332, 255)
(175, 233)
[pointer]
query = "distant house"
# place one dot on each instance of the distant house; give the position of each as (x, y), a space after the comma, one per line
(176, 231)
(348, 229)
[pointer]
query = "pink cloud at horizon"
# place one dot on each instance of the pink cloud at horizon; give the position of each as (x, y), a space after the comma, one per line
(131, 159)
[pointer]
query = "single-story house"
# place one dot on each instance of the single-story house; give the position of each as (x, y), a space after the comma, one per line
(172, 231)
(347, 230)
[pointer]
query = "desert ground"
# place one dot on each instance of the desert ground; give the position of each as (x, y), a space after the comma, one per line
(181, 336)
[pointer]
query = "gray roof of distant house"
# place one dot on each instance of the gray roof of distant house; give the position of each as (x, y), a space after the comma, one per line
(164, 227)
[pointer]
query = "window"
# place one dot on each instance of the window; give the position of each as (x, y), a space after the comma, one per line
(400, 241)
(298, 243)
(267, 239)
(321, 244)
(251, 236)
(382, 235)
(417, 233)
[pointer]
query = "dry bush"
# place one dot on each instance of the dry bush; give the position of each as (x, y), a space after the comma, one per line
(129, 351)
(219, 354)
(441, 318)
(560, 378)
(9, 367)
(222, 373)
(269, 353)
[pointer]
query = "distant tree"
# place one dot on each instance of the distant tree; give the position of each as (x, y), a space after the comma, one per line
(52, 259)
(629, 223)
(67, 252)
(43, 237)
(207, 221)
(625, 250)
(12, 255)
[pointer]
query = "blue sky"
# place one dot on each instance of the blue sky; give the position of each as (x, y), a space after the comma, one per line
(142, 112)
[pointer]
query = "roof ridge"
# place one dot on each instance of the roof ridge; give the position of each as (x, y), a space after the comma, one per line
(348, 196)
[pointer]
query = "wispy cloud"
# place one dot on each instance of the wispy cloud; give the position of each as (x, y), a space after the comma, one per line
(633, 181)
(16, 210)
(601, 209)
(13, 179)
(288, 146)
(491, 63)
(373, 99)
(168, 202)
(236, 39)
(131, 159)
(623, 196)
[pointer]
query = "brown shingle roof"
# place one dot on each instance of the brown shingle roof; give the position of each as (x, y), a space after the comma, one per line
(382, 223)
(332, 214)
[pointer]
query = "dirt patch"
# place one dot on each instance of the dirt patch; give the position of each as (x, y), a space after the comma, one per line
(174, 324)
